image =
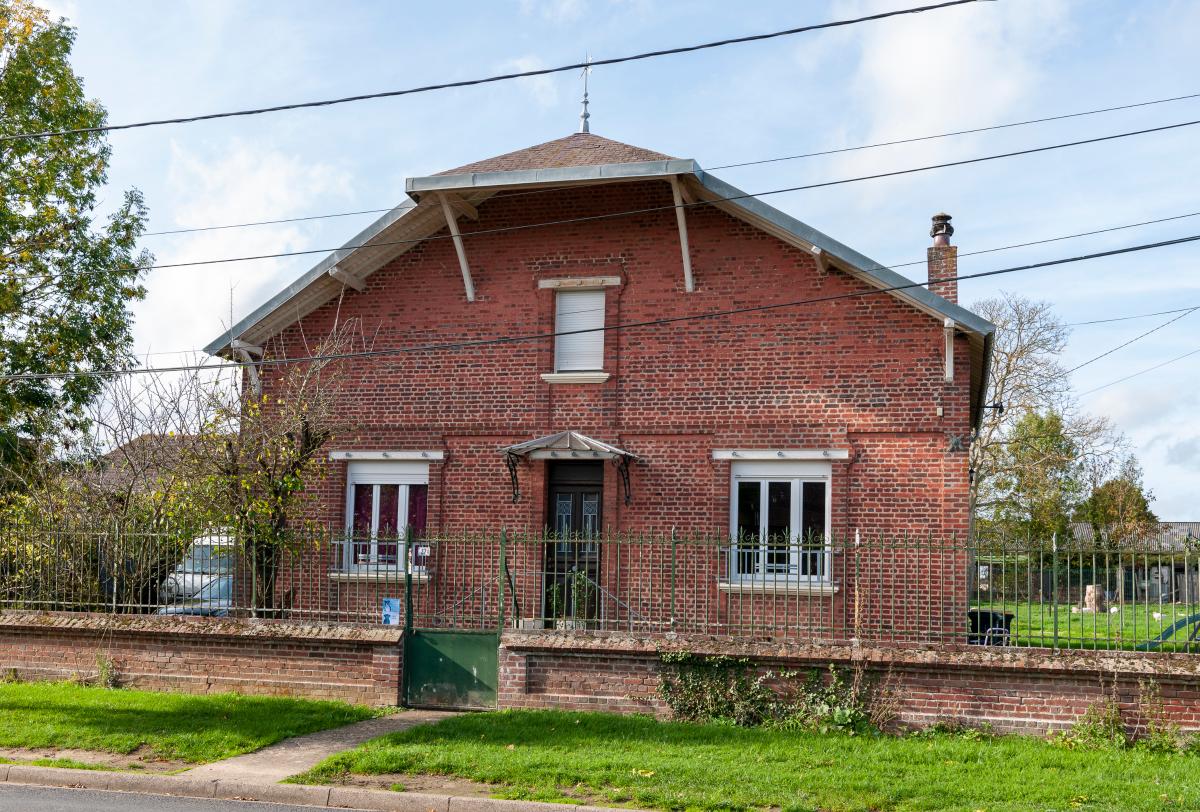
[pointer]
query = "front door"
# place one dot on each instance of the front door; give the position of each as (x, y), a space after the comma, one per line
(572, 589)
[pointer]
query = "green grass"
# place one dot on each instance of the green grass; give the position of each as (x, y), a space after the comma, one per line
(637, 761)
(1131, 626)
(180, 727)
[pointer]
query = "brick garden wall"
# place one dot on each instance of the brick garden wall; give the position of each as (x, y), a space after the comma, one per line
(205, 655)
(1015, 690)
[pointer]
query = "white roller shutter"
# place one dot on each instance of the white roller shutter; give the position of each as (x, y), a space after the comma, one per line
(579, 310)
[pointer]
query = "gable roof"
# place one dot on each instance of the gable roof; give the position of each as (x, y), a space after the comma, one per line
(582, 159)
(577, 149)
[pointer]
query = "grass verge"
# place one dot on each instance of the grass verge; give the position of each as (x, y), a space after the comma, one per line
(181, 727)
(637, 761)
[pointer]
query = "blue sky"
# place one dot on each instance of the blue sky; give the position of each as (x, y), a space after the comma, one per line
(970, 66)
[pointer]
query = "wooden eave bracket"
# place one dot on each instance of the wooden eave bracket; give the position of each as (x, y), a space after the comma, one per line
(451, 215)
(681, 196)
(349, 280)
(246, 353)
(948, 327)
(822, 259)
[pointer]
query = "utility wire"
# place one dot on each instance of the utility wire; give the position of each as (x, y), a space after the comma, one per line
(490, 79)
(1135, 339)
(194, 351)
(1130, 318)
(1142, 372)
(919, 138)
(672, 207)
(468, 344)
(723, 166)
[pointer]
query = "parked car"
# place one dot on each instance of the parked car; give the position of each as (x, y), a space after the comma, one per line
(213, 600)
(208, 558)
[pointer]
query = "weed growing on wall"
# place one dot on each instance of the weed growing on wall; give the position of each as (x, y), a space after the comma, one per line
(731, 690)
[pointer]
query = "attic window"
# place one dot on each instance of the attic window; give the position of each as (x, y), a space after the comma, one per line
(575, 311)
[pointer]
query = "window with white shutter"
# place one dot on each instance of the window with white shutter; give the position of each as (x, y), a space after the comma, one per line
(579, 310)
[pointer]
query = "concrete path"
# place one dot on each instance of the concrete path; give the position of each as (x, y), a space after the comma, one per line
(292, 756)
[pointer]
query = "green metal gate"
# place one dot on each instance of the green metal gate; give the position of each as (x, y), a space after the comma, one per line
(452, 631)
(450, 668)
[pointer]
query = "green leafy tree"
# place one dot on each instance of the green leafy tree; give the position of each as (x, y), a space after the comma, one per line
(66, 282)
(1039, 482)
(1118, 509)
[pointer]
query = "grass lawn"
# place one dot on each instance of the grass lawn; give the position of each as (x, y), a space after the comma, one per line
(1130, 626)
(557, 756)
(180, 727)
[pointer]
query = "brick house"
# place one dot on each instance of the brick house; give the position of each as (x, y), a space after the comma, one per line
(849, 414)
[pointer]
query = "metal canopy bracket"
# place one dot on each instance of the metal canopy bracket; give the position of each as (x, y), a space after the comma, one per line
(452, 223)
(567, 445)
(678, 193)
(623, 470)
(512, 460)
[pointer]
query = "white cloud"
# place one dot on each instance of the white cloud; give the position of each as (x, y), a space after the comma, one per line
(240, 182)
(542, 89)
(938, 71)
(558, 11)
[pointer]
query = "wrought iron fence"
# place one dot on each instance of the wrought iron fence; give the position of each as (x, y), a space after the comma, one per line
(870, 589)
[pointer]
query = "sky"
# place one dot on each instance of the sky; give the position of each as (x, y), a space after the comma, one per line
(969, 66)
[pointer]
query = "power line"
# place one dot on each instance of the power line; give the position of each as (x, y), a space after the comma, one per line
(1068, 237)
(457, 345)
(266, 222)
(1142, 372)
(490, 79)
(672, 207)
(1135, 339)
(1130, 318)
(919, 138)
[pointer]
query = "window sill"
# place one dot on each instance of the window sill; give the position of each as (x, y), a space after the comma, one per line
(575, 377)
(377, 576)
(814, 588)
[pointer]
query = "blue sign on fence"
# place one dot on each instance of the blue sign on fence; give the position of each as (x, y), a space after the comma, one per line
(391, 611)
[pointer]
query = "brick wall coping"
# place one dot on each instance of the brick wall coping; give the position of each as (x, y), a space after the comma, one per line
(1010, 658)
(200, 626)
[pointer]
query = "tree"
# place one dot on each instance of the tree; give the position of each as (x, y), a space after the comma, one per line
(1118, 509)
(1039, 480)
(65, 284)
(261, 447)
(1027, 378)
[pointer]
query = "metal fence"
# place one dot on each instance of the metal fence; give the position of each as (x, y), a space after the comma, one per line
(866, 588)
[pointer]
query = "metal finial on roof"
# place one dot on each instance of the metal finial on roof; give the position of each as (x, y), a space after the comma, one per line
(583, 114)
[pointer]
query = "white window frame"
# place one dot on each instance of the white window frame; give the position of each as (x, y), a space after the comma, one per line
(377, 473)
(796, 473)
(561, 296)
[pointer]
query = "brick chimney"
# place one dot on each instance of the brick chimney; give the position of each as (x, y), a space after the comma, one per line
(942, 258)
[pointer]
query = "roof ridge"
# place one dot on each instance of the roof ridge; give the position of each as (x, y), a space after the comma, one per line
(576, 149)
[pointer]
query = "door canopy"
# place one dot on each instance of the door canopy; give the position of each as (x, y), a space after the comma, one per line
(566, 446)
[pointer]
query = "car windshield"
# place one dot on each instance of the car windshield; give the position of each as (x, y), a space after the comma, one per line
(218, 589)
(208, 559)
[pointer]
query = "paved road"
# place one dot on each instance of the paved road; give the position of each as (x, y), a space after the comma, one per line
(17, 798)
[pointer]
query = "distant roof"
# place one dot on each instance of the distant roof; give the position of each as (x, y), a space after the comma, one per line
(577, 149)
(1161, 536)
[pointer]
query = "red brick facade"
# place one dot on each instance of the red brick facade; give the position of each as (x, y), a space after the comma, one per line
(862, 375)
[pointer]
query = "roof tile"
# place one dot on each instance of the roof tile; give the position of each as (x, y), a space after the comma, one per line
(577, 149)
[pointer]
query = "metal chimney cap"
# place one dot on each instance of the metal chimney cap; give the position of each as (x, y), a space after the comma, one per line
(942, 230)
